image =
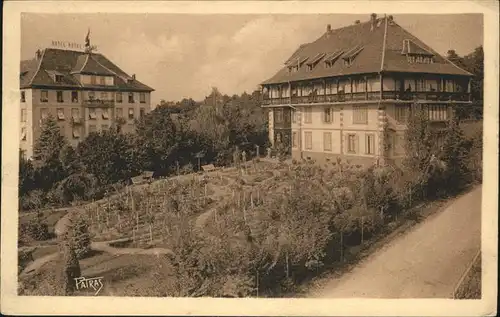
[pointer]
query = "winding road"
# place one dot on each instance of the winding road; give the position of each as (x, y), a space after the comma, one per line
(426, 262)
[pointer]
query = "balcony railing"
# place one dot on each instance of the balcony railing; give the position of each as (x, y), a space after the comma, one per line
(360, 96)
(98, 103)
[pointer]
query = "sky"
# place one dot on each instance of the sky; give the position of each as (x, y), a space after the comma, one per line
(184, 56)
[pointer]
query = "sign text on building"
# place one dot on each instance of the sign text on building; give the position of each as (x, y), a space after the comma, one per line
(71, 45)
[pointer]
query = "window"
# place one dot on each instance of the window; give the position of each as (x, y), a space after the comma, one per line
(294, 113)
(449, 86)
(131, 97)
(44, 113)
(308, 115)
(76, 133)
(401, 113)
(420, 85)
(105, 114)
(142, 112)
(327, 115)
(23, 134)
(439, 141)
(370, 144)
(119, 113)
(44, 97)
(398, 144)
(308, 140)
(119, 97)
(359, 85)
(327, 141)
(23, 154)
(278, 114)
(23, 96)
(102, 80)
(131, 113)
(60, 114)
(60, 96)
(351, 143)
(92, 114)
(91, 95)
(92, 128)
(294, 139)
(104, 127)
(74, 96)
(360, 115)
(142, 97)
(24, 115)
(75, 114)
(438, 112)
(59, 78)
(104, 95)
(93, 80)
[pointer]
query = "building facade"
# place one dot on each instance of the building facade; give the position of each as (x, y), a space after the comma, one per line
(349, 93)
(83, 91)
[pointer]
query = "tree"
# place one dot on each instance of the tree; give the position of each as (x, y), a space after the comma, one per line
(158, 140)
(26, 175)
(47, 151)
(474, 63)
(110, 156)
(418, 147)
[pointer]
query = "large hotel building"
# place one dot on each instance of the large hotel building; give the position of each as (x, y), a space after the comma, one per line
(349, 93)
(84, 91)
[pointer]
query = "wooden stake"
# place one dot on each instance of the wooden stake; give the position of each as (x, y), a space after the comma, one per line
(287, 268)
(362, 225)
(150, 233)
(342, 245)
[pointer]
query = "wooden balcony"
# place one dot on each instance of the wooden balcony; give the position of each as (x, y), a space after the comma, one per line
(365, 96)
(98, 103)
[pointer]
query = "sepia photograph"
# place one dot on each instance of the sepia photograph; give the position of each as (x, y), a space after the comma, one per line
(265, 156)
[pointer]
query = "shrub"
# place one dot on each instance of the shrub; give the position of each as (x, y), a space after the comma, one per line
(80, 237)
(32, 200)
(36, 229)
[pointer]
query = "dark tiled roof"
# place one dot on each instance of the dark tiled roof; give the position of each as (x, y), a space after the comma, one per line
(366, 46)
(69, 63)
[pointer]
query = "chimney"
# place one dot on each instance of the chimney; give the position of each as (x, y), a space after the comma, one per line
(133, 76)
(357, 22)
(390, 18)
(373, 20)
(328, 28)
(38, 54)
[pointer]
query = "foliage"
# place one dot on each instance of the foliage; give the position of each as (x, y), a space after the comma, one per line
(80, 237)
(79, 186)
(68, 267)
(36, 229)
(47, 151)
(109, 156)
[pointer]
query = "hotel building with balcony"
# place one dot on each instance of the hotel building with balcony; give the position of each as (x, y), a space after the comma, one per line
(84, 91)
(349, 93)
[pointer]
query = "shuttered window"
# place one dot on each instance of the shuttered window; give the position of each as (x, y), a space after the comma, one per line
(308, 140)
(370, 144)
(352, 143)
(360, 115)
(327, 141)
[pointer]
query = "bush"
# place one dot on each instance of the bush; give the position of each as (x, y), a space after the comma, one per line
(80, 237)
(32, 200)
(36, 229)
(77, 186)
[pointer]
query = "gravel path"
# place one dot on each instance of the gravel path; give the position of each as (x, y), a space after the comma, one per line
(426, 262)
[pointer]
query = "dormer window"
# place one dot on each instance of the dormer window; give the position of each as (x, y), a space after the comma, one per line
(314, 61)
(351, 55)
(332, 58)
(59, 78)
(295, 63)
(416, 54)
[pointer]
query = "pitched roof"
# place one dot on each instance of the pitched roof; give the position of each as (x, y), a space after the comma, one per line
(371, 50)
(69, 64)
